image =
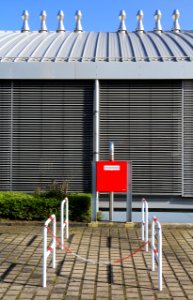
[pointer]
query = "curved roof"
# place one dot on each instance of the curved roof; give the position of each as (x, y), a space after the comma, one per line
(96, 46)
(96, 55)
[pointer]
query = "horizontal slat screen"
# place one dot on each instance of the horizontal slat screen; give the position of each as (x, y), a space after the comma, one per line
(5, 134)
(143, 119)
(52, 134)
(188, 138)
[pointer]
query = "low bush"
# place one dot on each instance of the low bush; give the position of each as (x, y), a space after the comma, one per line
(80, 207)
(54, 190)
(22, 206)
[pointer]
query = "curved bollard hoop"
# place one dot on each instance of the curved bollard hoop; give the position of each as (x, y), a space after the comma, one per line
(156, 253)
(64, 223)
(144, 223)
(52, 248)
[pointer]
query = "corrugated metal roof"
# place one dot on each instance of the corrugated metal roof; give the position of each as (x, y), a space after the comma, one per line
(96, 46)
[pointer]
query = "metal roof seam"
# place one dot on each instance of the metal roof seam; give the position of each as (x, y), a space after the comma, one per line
(107, 49)
(54, 41)
(96, 46)
(67, 36)
(185, 39)
(78, 36)
(137, 46)
(155, 46)
(25, 37)
(42, 42)
(176, 42)
(9, 41)
(143, 44)
(120, 47)
(131, 45)
(161, 38)
(84, 47)
(28, 45)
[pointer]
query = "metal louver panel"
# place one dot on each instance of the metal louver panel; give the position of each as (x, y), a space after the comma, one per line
(143, 118)
(52, 133)
(188, 138)
(5, 134)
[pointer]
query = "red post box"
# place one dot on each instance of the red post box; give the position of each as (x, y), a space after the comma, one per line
(112, 176)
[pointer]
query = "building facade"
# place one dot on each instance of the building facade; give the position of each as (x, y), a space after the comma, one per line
(65, 95)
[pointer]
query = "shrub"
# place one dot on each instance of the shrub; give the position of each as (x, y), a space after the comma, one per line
(22, 206)
(55, 189)
(80, 207)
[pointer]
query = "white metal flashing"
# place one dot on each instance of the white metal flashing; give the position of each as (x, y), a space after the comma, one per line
(99, 70)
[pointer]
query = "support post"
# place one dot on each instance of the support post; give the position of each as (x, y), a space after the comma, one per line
(111, 201)
(129, 193)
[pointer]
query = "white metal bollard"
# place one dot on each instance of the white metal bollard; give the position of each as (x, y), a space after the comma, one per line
(144, 223)
(156, 253)
(64, 223)
(52, 248)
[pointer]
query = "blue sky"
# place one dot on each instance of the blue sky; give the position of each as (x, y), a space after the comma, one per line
(100, 15)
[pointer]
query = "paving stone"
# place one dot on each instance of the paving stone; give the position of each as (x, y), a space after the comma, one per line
(12, 293)
(40, 298)
(73, 293)
(43, 292)
(86, 297)
(132, 279)
(10, 297)
(56, 297)
(148, 297)
(25, 296)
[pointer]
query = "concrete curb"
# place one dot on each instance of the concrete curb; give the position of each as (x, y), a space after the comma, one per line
(94, 224)
(137, 224)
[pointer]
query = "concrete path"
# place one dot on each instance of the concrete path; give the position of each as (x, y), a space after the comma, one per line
(75, 278)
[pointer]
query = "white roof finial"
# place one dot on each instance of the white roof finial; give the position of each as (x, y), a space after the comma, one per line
(140, 27)
(175, 16)
(157, 17)
(43, 17)
(122, 17)
(60, 17)
(25, 18)
(78, 17)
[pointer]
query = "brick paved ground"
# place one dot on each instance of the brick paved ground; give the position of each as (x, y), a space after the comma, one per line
(21, 265)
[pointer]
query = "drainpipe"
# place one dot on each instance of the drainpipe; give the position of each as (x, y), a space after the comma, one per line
(95, 195)
(96, 122)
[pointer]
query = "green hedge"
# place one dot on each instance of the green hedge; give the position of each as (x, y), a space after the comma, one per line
(22, 206)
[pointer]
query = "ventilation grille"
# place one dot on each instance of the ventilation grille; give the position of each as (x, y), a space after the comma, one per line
(52, 134)
(188, 139)
(143, 119)
(5, 135)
